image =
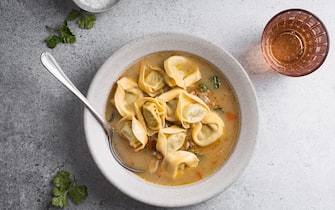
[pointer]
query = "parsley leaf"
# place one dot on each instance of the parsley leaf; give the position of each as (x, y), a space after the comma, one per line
(52, 41)
(66, 34)
(64, 187)
(62, 180)
(78, 193)
(60, 198)
(86, 21)
(57, 191)
(62, 34)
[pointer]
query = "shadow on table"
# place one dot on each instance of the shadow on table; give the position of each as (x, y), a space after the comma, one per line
(260, 73)
(253, 62)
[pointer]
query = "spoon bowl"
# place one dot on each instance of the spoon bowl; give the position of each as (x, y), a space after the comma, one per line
(50, 63)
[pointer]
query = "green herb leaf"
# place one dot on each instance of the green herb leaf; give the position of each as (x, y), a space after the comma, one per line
(57, 191)
(216, 82)
(66, 34)
(78, 193)
(62, 180)
(203, 87)
(74, 14)
(111, 117)
(65, 186)
(52, 41)
(218, 108)
(86, 21)
(60, 198)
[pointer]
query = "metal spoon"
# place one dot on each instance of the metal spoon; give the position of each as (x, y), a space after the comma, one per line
(50, 63)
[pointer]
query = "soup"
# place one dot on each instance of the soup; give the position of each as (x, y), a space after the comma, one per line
(175, 116)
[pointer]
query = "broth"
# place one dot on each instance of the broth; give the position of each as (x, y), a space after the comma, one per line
(222, 101)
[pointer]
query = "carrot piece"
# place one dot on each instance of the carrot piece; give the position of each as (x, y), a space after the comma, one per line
(230, 116)
(199, 174)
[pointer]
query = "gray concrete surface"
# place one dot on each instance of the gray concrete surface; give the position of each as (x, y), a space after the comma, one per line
(41, 123)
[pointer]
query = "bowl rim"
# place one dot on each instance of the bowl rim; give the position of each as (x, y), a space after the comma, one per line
(93, 10)
(173, 196)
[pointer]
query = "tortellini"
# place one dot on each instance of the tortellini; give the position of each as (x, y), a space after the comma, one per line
(190, 109)
(133, 130)
(151, 79)
(171, 99)
(176, 161)
(151, 112)
(159, 107)
(183, 107)
(181, 71)
(208, 130)
(126, 94)
(170, 139)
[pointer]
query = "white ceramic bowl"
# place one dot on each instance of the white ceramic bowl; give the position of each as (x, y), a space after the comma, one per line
(133, 185)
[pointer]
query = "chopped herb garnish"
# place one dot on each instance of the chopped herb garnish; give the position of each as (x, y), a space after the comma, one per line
(111, 117)
(216, 82)
(64, 187)
(53, 40)
(86, 21)
(64, 34)
(218, 108)
(203, 87)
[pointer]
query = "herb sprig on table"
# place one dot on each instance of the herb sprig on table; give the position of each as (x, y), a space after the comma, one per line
(63, 34)
(65, 187)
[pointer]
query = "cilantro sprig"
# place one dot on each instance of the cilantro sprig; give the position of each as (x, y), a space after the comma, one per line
(64, 187)
(63, 34)
(86, 21)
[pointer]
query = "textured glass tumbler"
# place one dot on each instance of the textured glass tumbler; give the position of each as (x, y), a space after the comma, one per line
(295, 42)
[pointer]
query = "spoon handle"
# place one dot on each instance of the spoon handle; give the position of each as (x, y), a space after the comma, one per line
(50, 63)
